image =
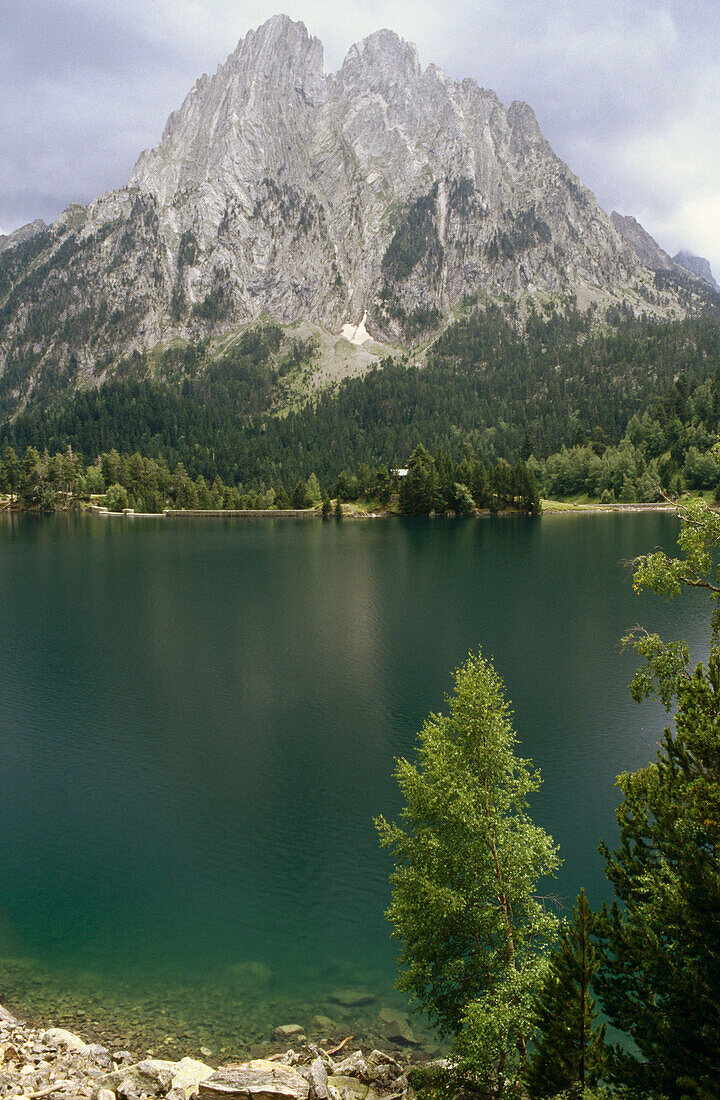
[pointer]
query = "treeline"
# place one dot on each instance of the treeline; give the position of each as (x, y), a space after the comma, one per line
(670, 448)
(45, 482)
(436, 485)
(510, 390)
(673, 446)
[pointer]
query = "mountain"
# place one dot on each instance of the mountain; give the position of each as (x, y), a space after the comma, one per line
(697, 265)
(24, 233)
(645, 247)
(372, 202)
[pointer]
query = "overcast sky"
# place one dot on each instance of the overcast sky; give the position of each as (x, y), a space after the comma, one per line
(626, 91)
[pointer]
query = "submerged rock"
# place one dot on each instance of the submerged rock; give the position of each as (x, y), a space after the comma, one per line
(352, 998)
(251, 973)
(323, 1023)
(395, 1026)
(287, 1032)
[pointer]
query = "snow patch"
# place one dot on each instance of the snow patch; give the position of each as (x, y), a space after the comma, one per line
(357, 334)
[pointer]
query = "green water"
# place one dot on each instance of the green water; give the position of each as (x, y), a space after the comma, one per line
(199, 721)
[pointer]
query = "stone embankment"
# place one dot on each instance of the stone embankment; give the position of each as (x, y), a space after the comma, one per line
(50, 1062)
(212, 513)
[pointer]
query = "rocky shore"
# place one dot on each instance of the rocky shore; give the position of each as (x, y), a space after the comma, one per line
(37, 1062)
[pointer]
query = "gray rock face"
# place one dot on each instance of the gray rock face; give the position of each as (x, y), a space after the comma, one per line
(379, 189)
(24, 233)
(698, 266)
(646, 247)
(256, 1080)
(383, 191)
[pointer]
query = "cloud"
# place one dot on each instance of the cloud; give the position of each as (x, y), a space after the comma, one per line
(626, 92)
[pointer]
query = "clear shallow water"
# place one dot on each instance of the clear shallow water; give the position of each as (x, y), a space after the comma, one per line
(199, 721)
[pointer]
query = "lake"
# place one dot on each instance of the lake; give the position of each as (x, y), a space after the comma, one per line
(199, 720)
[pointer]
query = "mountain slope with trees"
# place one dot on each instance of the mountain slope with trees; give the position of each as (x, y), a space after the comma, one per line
(509, 390)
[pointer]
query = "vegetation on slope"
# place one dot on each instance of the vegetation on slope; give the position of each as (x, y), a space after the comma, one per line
(508, 390)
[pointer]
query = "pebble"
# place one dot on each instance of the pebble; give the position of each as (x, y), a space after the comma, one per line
(34, 1058)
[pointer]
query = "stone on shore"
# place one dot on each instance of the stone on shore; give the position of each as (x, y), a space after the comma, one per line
(318, 1080)
(58, 1037)
(152, 1076)
(350, 1088)
(189, 1075)
(256, 1080)
(354, 1065)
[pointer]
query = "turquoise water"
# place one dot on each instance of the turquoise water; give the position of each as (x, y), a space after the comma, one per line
(199, 721)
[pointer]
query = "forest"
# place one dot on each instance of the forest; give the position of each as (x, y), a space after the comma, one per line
(508, 390)
(670, 448)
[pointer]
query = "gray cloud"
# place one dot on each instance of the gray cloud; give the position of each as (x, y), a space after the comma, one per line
(626, 91)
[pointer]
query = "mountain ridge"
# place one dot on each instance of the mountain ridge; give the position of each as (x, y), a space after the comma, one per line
(383, 192)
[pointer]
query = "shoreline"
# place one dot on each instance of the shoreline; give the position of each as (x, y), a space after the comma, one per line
(549, 508)
(40, 1061)
(245, 1013)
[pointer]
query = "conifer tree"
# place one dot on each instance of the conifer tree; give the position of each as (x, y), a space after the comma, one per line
(570, 1050)
(660, 977)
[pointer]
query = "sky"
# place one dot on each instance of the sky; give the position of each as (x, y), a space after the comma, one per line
(627, 92)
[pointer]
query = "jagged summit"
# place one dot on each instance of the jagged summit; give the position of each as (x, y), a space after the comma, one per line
(381, 60)
(698, 265)
(384, 192)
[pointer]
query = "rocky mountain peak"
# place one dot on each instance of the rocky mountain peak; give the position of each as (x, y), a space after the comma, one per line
(522, 117)
(381, 60)
(283, 57)
(252, 115)
(645, 247)
(698, 265)
(384, 194)
(24, 233)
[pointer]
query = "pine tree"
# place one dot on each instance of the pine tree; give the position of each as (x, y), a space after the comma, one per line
(570, 1051)
(660, 977)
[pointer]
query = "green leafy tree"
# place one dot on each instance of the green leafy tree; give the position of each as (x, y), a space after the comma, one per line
(346, 486)
(660, 979)
(116, 498)
(282, 500)
(464, 890)
(383, 485)
(460, 500)
(569, 1052)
